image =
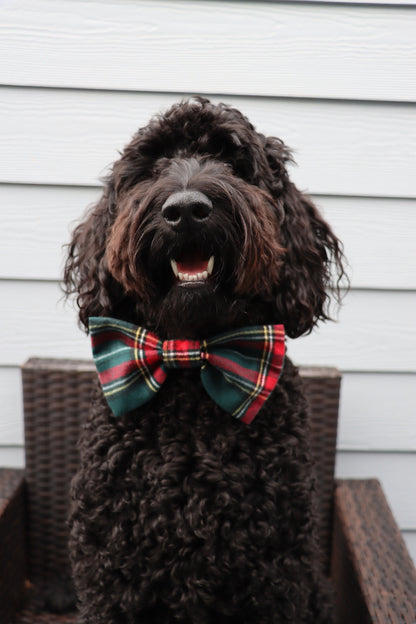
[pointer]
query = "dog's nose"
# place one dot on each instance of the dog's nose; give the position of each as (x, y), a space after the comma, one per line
(186, 208)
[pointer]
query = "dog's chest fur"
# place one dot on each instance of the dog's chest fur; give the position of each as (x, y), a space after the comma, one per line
(193, 495)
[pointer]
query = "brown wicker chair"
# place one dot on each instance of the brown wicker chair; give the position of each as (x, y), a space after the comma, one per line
(364, 553)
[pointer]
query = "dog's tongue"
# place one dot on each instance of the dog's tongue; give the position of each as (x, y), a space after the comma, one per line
(192, 265)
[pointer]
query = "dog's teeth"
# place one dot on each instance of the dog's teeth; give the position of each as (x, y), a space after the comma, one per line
(188, 277)
(210, 265)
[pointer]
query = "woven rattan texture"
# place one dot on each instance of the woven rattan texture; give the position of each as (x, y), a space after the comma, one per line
(322, 388)
(376, 552)
(11, 542)
(57, 396)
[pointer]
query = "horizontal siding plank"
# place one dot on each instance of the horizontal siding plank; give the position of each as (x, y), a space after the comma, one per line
(396, 471)
(34, 323)
(277, 49)
(410, 540)
(37, 220)
(383, 2)
(376, 411)
(364, 338)
(11, 420)
(12, 456)
(36, 225)
(341, 148)
(379, 239)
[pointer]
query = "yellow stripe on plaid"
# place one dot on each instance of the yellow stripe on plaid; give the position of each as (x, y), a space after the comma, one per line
(127, 384)
(115, 326)
(141, 363)
(229, 336)
(260, 377)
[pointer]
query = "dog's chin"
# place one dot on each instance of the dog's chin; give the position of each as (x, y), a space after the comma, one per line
(195, 310)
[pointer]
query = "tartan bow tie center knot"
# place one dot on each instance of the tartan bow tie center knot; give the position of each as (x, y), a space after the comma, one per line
(184, 353)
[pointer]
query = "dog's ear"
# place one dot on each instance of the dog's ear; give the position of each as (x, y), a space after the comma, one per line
(86, 273)
(313, 265)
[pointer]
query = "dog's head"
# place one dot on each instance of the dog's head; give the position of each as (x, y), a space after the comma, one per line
(200, 228)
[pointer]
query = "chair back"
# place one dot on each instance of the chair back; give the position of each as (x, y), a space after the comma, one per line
(57, 395)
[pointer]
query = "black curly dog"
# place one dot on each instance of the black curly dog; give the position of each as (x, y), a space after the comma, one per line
(181, 513)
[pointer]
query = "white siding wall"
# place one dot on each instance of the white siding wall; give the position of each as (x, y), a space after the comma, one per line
(336, 81)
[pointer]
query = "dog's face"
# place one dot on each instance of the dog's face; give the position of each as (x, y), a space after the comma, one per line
(192, 241)
(200, 229)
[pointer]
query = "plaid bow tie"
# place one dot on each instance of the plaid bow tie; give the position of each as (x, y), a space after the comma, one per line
(239, 369)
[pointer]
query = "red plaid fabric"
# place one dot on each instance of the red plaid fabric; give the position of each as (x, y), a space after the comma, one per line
(239, 369)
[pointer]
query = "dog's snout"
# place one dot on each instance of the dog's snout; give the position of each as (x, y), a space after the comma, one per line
(186, 208)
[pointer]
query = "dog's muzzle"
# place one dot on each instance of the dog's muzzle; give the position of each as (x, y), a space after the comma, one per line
(187, 210)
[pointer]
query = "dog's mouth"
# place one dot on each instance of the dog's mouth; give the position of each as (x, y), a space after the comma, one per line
(193, 270)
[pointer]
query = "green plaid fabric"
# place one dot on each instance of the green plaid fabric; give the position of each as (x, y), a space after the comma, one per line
(239, 369)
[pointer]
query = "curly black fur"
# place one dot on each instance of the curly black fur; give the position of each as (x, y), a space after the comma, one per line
(180, 513)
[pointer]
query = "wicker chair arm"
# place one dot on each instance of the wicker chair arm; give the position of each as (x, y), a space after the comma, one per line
(375, 578)
(12, 542)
